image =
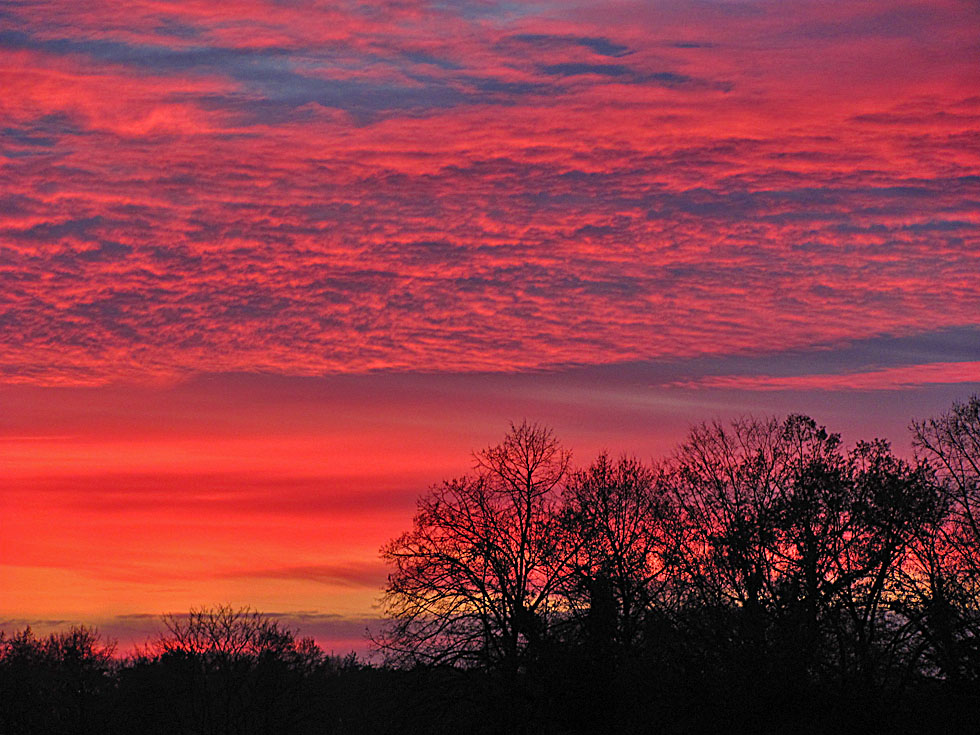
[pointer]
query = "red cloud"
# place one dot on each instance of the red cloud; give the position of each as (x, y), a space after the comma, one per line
(254, 188)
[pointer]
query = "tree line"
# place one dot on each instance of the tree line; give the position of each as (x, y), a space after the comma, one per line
(762, 578)
(762, 571)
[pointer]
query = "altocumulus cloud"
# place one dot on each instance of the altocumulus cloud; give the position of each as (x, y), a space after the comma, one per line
(476, 186)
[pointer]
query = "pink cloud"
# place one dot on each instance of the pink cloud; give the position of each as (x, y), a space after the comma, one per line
(190, 188)
(905, 377)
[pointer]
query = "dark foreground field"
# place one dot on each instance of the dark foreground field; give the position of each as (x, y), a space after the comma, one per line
(69, 684)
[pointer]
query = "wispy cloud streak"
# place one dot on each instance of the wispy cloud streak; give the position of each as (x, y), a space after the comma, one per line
(895, 378)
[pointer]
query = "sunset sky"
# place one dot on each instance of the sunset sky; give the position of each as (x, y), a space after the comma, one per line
(268, 269)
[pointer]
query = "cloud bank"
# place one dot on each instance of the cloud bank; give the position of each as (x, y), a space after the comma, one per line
(339, 187)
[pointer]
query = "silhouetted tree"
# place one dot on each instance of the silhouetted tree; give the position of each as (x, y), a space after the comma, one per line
(58, 684)
(475, 581)
(952, 444)
(795, 546)
(943, 587)
(733, 487)
(622, 526)
(890, 502)
(233, 671)
(618, 593)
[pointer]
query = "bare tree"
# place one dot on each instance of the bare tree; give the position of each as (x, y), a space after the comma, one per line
(239, 671)
(476, 579)
(889, 503)
(222, 633)
(623, 525)
(942, 587)
(727, 483)
(801, 540)
(952, 444)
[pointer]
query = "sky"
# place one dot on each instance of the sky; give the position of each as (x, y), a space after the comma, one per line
(270, 269)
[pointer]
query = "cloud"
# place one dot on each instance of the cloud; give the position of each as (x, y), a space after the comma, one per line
(257, 188)
(905, 377)
(354, 574)
(628, 75)
(597, 44)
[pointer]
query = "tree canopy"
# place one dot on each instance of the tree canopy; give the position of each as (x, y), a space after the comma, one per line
(763, 551)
